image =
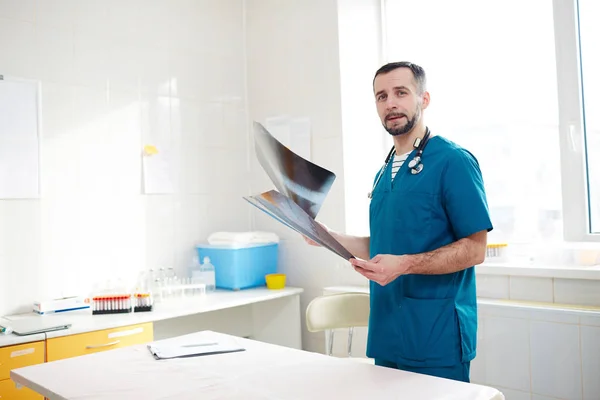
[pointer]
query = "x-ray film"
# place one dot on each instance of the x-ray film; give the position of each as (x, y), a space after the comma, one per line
(306, 183)
(302, 187)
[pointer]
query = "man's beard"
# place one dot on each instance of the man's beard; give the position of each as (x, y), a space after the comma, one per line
(410, 124)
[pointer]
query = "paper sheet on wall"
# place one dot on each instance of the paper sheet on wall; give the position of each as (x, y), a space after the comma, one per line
(293, 133)
(19, 139)
(157, 170)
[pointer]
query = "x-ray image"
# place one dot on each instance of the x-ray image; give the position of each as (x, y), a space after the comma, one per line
(307, 184)
(302, 187)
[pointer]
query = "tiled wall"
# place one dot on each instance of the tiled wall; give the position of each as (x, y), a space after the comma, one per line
(584, 292)
(294, 70)
(113, 74)
(538, 353)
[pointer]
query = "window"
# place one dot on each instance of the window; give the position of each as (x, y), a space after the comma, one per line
(589, 34)
(501, 75)
(577, 39)
(492, 80)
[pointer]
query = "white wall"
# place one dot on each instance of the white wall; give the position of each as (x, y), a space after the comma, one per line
(113, 74)
(177, 68)
(366, 143)
(294, 69)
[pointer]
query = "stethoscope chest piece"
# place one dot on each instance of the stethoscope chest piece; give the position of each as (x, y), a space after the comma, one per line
(415, 165)
(417, 169)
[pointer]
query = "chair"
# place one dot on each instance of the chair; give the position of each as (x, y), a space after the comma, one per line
(338, 311)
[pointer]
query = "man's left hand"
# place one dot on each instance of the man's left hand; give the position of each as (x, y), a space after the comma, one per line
(383, 268)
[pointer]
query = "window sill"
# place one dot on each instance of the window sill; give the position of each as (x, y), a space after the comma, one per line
(542, 271)
(538, 305)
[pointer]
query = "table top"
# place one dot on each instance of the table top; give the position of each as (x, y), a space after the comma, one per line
(83, 321)
(263, 371)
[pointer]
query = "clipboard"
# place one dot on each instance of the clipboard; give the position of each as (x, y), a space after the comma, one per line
(165, 351)
(34, 325)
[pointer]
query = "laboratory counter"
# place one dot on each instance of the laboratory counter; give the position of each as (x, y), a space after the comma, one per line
(11, 340)
(82, 321)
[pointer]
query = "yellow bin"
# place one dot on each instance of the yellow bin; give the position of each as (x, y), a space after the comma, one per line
(275, 281)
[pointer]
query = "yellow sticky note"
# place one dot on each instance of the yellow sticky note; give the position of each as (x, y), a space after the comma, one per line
(150, 150)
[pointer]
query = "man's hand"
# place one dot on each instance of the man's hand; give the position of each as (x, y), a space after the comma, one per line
(383, 268)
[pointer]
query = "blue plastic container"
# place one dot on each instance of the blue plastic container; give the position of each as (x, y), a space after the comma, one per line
(240, 268)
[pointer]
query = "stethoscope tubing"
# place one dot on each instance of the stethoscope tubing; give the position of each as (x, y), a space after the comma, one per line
(416, 161)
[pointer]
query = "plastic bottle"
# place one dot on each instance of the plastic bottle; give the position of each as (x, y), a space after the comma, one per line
(208, 274)
(195, 270)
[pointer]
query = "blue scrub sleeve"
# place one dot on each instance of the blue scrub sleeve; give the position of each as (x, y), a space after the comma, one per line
(464, 195)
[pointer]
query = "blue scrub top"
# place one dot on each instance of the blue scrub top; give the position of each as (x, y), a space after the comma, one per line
(427, 320)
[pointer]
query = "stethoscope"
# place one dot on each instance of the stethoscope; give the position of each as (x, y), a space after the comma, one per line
(415, 165)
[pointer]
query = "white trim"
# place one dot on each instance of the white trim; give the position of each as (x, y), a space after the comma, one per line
(576, 221)
(386, 141)
(249, 126)
(383, 32)
(541, 271)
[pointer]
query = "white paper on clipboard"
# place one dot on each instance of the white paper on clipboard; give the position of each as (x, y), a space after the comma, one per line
(193, 346)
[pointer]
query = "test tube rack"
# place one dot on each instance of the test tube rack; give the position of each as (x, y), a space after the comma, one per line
(111, 304)
(142, 302)
(496, 250)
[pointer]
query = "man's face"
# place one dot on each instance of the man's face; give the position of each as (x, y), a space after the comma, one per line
(399, 103)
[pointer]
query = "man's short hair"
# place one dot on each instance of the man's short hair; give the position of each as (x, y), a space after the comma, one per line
(417, 71)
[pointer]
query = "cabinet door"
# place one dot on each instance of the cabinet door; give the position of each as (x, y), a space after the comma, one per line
(93, 342)
(9, 391)
(21, 355)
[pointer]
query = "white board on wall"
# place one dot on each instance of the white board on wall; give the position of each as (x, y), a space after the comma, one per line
(19, 139)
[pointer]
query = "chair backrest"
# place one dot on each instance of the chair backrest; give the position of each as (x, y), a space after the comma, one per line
(336, 311)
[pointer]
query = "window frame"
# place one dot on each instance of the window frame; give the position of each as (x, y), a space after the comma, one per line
(573, 146)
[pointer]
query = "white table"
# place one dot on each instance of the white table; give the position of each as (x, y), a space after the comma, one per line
(264, 371)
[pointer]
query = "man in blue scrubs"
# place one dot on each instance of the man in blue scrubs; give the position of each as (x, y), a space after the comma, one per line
(428, 230)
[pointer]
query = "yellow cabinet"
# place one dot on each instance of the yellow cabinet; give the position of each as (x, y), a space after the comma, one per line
(12, 357)
(22, 355)
(9, 391)
(93, 342)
